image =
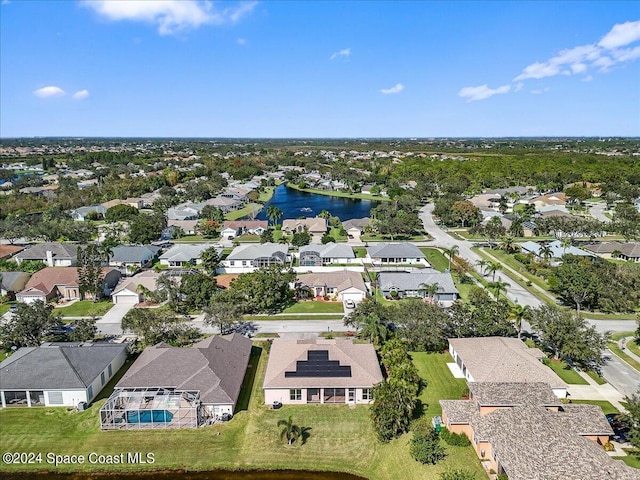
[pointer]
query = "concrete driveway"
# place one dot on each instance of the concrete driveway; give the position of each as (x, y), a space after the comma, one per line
(115, 315)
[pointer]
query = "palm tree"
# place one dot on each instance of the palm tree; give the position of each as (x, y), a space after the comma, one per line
(519, 313)
(374, 329)
(493, 267)
(274, 214)
(452, 252)
(508, 245)
(566, 243)
(483, 264)
(289, 431)
(546, 253)
(430, 289)
(500, 287)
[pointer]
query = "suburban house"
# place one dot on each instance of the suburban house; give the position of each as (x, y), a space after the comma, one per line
(315, 226)
(232, 229)
(61, 284)
(355, 227)
(557, 250)
(185, 255)
(320, 371)
(189, 227)
(59, 374)
(343, 285)
(184, 211)
(624, 251)
(12, 283)
(523, 432)
(128, 259)
(132, 290)
(134, 202)
(317, 255)
(406, 253)
(173, 387)
(503, 360)
(54, 254)
(80, 214)
(252, 255)
(226, 204)
(8, 251)
(551, 199)
(415, 284)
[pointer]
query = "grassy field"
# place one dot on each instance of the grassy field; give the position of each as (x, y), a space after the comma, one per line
(341, 438)
(606, 407)
(313, 306)
(436, 258)
(566, 373)
(243, 212)
(85, 308)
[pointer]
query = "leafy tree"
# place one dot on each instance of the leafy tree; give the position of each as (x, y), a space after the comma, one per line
(575, 281)
(371, 320)
(147, 228)
(265, 290)
(222, 313)
(197, 289)
(578, 192)
(153, 327)
(85, 330)
(210, 259)
(209, 228)
(29, 326)
(569, 336)
(425, 447)
(326, 238)
(121, 213)
(90, 274)
(210, 212)
(267, 236)
(480, 317)
(397, 218)
(422, 325)
(459, 474)
(632, 418)
(301, 238)
(93, 216)
(465, 213)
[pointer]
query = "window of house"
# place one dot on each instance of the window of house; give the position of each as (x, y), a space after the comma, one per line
(110, 371)
(366, 394)
(295, 394)
(102, 378)
(90, 393)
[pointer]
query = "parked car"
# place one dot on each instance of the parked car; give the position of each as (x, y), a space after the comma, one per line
(350, 304)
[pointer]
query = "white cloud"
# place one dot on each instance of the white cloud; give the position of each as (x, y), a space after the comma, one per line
(578, 68)
(171, 16)
(481, 92)
(81, 94)
(49, 91)
(621, 35)
(538, 70)
(588, 78)
(241, 41)
(397, 88)
(345, 53)
(518, 87)
(540, 90)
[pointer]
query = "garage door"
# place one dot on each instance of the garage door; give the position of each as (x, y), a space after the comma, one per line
(125, 299)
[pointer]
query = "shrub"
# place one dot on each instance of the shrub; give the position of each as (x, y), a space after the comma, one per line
(458, 475)
(502, 476)
(455, 439)
(608, 447)
(521, 258)
(426, 448)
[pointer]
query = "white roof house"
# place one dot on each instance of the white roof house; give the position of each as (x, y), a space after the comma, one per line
(185, 254)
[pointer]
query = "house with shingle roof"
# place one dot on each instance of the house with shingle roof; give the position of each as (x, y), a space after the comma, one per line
(232, 229)
(185, 254)
(248, 257)
(343, 285)
(7, 251)
(63, 284)
(414, 284)
(525, 433)
(557, 249)
(54, 254)
(132, 289)
(629, 251)
(13, 282)
(315, 226)
(398, 253)
(320, 371)
(128, 259)
(59, 374)
(190, 386)
(503, 359)
(80, 213)
(317, 255)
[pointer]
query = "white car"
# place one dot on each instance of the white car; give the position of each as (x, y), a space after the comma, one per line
(349, 304)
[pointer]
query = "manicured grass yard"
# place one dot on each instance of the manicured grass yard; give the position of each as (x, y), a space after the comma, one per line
(85, 308)
(4, 308)
(606, 407)
(632, 459)
(566, 373)
(314, 306)
(341, 438)
(436, 258)
(613, 346)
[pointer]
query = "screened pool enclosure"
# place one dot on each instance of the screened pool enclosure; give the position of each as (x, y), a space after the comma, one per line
(148, 408)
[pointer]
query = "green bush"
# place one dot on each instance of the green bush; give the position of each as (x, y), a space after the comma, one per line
(426, 448)
(458, 475)
(521, 258)
(455, 439)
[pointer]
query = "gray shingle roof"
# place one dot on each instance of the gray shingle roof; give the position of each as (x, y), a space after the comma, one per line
(14, 281)
(57, 365)
(251, 251)
(394, 250)
(502, 359)
(134, 253)
(339, 280)
(59, 250)
(330, 250)
(215, 366)
(186, 252)
(512, 394)
(413, 280)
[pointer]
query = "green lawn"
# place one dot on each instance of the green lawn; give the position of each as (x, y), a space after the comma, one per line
(341, 438)
(441, 385)
(436, 258)
(613, 346)
(360, 252)
(566, 373)
(632, 459)
(243, 212)
(606, 406)
(85, 308)
(314, 306)
(4, 308)
(264, 318)
(597, 378)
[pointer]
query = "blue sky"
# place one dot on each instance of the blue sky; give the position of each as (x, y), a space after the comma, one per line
(319, 69)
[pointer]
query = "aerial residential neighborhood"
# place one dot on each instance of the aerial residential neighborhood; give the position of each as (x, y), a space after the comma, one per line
(319, 240)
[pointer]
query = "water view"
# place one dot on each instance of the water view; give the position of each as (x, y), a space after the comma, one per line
(294, 204)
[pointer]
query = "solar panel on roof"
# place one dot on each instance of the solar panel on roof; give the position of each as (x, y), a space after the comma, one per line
(318, 365)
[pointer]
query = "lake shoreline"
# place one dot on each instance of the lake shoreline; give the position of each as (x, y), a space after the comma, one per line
(333, 193)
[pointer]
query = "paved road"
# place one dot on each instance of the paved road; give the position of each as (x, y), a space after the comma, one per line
(619, 374)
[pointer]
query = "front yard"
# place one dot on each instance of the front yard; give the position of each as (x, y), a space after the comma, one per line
(85, 308)
(315, 306)
(341, 438)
